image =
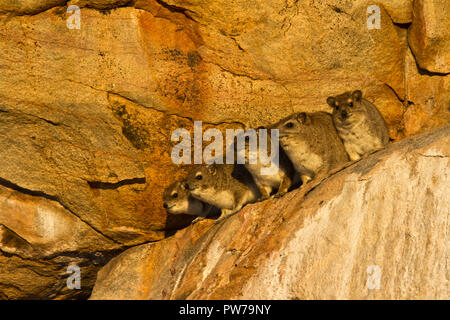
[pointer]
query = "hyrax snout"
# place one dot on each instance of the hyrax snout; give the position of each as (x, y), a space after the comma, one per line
(178, 200)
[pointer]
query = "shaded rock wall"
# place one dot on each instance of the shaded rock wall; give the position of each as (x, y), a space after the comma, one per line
(387, 213)
(86, 114)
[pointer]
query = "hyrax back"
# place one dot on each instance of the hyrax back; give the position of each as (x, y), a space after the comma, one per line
(226, 186)
(271, 169)
(359, 124)
(311, 143)
(178, 200)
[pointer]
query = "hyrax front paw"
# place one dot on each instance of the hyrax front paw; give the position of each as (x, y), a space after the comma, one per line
(278, 195)
(354, 156)
(197, 220)
(226, 213)
(306, 178)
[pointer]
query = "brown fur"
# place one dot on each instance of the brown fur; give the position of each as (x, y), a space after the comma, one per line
(311, 143)
(359, 124)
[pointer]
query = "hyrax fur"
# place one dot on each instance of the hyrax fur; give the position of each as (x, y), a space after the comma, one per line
(271, 177)
(311, 143)
(178, 200)
(226, 186)
(359, 124)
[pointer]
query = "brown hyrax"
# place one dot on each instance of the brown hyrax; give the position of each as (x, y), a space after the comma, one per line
(178, 200)
(359, 124)
(226, 186)
(271, 169)
(311, 143)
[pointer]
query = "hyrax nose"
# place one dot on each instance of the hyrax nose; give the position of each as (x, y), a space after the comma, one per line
(165, 205)
(344, 114)
(187, 186)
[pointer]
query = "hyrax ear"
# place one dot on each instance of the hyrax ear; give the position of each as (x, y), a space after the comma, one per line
(331, 102)
(357, 95)
(303, 118)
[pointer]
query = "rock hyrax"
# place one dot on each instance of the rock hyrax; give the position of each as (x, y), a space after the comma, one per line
(311, 143)
(226, 186)
(272, 173)
(359, 124)
(178, 200)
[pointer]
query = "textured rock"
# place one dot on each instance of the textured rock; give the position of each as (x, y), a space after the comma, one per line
(429, 35)
(302, 46)
(86, 115)
(399, 10)
(39, 239)
(389, 210)
(164, 65)
(428, 99)
(28, 6)
(70, 145)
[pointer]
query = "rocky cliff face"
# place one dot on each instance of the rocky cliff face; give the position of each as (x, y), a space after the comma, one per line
(86, 114)
(377, 229)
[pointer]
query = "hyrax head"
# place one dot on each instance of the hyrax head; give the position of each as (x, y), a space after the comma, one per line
(246, 146)
(176, 198)
(293, 125)
(201, 177)
(344, 105)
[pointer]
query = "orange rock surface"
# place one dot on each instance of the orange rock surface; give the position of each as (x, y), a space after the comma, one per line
(387, 213)
(86, 115)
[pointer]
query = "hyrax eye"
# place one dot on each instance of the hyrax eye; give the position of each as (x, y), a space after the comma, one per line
(175, 195)
(289, 125)
(350, 104)
(199, 177)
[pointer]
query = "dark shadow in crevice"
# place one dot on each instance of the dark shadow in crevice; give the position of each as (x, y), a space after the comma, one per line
(109, 185)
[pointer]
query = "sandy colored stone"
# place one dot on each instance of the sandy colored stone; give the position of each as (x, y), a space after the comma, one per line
(46, 226)
(86, 115)
(23, 7)
(428, 99)
(399, 10)
(304, 46)
(28, 6)
(39, 239)
(389, 210)
(174, 65)
(429, 35)
(59, 135)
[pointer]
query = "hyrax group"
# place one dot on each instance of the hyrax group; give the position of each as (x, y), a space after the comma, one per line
(310, 144)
